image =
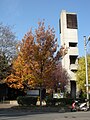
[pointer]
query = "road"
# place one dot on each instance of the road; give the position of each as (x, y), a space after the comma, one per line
(11, 114)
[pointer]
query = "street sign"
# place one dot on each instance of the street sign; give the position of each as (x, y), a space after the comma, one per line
(87, 85)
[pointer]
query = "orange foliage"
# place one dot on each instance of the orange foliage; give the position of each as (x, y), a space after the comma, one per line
(36, 59)
(21, 75)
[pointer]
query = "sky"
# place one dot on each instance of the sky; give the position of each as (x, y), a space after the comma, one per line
(25, 14)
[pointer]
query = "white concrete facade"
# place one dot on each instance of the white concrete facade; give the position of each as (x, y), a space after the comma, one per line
(69, 39)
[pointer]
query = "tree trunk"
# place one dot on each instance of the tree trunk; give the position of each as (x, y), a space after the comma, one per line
(40, 96)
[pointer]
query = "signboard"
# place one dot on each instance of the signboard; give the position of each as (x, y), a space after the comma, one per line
(58, 95)
(33, 92)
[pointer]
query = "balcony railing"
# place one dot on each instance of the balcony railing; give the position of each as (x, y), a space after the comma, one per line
(73, 76)
(73, 66)
(73, 51)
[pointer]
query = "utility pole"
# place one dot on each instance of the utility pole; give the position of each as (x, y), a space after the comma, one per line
(85, 48)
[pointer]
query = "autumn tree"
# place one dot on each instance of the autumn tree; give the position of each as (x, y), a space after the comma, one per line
(39, 52)
(21, 76)
(60, 77)
(37, 60)
(81, 73)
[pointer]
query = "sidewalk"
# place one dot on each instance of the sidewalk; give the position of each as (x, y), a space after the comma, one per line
(7, 104)
(32, 109)
(3, 105)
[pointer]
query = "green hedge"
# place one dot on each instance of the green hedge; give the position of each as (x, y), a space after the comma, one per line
(61, 101)
(26, 100)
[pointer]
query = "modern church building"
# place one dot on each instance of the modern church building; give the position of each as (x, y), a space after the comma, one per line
(69, 39)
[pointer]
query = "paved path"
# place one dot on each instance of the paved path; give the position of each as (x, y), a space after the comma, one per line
(5, 105)
(8, 113)
(12, 115)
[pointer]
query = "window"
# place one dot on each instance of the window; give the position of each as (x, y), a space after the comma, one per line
(71, 44)
(60, 25)
(71, 21)
(73, 59)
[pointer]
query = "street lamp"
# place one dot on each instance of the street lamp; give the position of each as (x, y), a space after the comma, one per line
(85, 47)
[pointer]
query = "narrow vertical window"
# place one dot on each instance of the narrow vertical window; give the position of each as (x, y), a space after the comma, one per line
(71, 21)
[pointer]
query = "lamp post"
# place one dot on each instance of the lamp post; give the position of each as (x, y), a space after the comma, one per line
(85, 47)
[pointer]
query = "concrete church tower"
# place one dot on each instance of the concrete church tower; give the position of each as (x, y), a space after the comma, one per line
(69, 39)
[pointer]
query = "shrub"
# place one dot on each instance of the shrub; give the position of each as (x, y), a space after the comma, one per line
(26, 100)
(61, 101)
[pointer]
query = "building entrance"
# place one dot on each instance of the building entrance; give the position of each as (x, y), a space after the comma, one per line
(73, 89)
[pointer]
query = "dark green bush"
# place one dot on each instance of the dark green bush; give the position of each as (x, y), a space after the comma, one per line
(26, 100)
(61, 101)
